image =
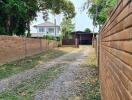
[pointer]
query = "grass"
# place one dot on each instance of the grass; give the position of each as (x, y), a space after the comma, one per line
(15, 67)
(90, 88)
(27, 89)
(68, 49)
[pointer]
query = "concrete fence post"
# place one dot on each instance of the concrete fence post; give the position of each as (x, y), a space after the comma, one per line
(76, 43)
(41, 48)
(25, 46)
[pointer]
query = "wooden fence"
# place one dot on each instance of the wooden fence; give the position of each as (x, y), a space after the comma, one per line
(15, 48)
(70, 42)
(115, 58)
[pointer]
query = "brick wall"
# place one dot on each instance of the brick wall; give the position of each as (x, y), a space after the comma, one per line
(14, 48)
(116, 54)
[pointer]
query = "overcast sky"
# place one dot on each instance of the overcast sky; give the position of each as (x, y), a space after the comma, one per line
(81, 20)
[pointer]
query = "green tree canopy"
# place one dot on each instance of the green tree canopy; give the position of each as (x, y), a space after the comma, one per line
(87, 30)
(66, 27)
(99, 10)
(16, 15)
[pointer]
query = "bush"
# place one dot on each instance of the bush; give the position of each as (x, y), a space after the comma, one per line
(49, 37)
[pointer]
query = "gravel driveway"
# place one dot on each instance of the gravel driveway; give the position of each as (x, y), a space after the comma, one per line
(64, 86)
(61, 87)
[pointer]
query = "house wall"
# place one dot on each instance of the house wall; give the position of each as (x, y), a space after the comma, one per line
(15, 48)
(116, 54)
(46, 31)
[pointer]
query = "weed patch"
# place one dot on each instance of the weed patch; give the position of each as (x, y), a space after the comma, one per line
(89, 87)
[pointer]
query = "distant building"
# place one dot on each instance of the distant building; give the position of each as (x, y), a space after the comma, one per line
(46, 28)
(79, 38)
(83, 37)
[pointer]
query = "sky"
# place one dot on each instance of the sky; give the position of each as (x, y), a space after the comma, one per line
(81, 21)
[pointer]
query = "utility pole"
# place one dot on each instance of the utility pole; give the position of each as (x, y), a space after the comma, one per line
(55, 25)
(94, 23)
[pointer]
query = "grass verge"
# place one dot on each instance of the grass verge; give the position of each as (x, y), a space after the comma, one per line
(15, 67)
(27, 89)
(90, 88)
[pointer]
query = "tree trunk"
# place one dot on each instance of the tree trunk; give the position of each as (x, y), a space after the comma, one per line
(28, 25)
(8, 22)
(100, 27)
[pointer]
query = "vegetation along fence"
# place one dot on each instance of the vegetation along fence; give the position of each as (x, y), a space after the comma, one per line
(15, 48)
(116, 54)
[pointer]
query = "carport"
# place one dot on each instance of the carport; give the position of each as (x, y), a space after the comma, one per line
(84, 38)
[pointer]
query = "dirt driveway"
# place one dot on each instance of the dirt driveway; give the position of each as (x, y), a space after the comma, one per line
(63, 86)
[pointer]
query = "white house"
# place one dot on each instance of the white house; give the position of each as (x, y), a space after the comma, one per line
(46, 28)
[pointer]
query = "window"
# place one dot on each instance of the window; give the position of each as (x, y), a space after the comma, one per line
(51, 30)
(41, 29)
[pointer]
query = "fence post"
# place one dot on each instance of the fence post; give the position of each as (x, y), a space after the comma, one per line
(41, 45)
(76, 43)
(99, 61)
(25, 46)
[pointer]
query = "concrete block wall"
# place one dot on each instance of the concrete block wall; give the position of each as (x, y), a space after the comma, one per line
(115, 60)
(15, 48)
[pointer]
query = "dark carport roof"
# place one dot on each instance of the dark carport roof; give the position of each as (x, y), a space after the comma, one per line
(81, 32)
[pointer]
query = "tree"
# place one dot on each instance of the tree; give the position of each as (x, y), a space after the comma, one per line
(99, 10)
(87, 30)
(45, 15)
(57, 6)
(16, 15)
(66, 27)
(68, 9)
